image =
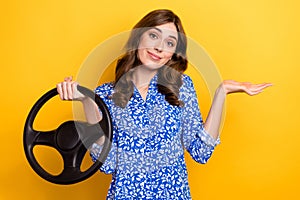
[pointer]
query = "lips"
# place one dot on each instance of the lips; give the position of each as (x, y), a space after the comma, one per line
(154, 56)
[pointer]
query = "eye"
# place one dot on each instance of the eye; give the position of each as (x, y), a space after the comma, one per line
(153, 35)
(170, 44)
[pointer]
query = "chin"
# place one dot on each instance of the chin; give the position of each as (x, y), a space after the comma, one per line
(153, 66)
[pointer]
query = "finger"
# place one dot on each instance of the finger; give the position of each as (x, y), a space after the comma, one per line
(75, 91)
(74, 88)
(65, 91)
(256, 92)
(267, 85)
(252, 93)
(262, 86)
(59, 90)
(68, 78)
(254, 89)
(70, 90)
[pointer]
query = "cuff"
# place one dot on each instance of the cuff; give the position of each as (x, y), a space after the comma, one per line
(208, 139)
(95, 151)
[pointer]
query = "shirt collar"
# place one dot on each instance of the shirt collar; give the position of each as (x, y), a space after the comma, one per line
(152, 90)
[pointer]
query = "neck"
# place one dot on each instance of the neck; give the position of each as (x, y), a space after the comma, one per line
(142, 76)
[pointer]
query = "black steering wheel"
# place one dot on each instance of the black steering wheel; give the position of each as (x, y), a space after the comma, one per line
(71, 139)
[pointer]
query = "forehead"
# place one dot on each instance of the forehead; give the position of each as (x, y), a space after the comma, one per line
(168, 29)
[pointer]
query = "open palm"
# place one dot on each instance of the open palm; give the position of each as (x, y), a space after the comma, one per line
(231, 86)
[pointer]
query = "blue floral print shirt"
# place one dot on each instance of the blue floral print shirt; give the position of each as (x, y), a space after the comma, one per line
(146, 159)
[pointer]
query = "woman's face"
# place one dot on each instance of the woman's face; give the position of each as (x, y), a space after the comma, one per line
(157, 45)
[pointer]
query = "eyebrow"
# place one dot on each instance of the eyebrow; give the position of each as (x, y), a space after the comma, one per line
(159, 30)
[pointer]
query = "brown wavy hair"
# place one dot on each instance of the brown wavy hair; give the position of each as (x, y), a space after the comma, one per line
(169, 75)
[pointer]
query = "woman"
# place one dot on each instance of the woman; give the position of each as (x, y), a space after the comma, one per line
(155, 113)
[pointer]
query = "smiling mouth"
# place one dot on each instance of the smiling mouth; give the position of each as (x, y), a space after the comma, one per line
(153, 56)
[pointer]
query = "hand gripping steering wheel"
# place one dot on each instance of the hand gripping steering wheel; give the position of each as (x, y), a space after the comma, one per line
(71, 139)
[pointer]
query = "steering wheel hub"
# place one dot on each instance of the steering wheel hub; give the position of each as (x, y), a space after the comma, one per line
(67, 136)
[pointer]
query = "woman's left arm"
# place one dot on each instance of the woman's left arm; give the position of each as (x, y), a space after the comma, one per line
(213, 120)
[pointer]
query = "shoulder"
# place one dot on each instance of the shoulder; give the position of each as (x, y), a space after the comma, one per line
(187, 83)
(187, 89)
(105, 90)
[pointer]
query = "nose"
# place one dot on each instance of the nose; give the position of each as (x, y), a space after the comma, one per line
(159, 46)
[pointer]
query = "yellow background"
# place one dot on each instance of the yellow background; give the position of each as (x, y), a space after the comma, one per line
(252, 40)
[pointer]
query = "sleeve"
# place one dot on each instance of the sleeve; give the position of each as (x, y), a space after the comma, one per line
(196, 140)
(110, 163)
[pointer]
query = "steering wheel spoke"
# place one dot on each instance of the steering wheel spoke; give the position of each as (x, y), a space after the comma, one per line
(69, 160)
(45, 138)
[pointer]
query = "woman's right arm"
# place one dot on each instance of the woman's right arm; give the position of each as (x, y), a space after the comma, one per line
(67, 90)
